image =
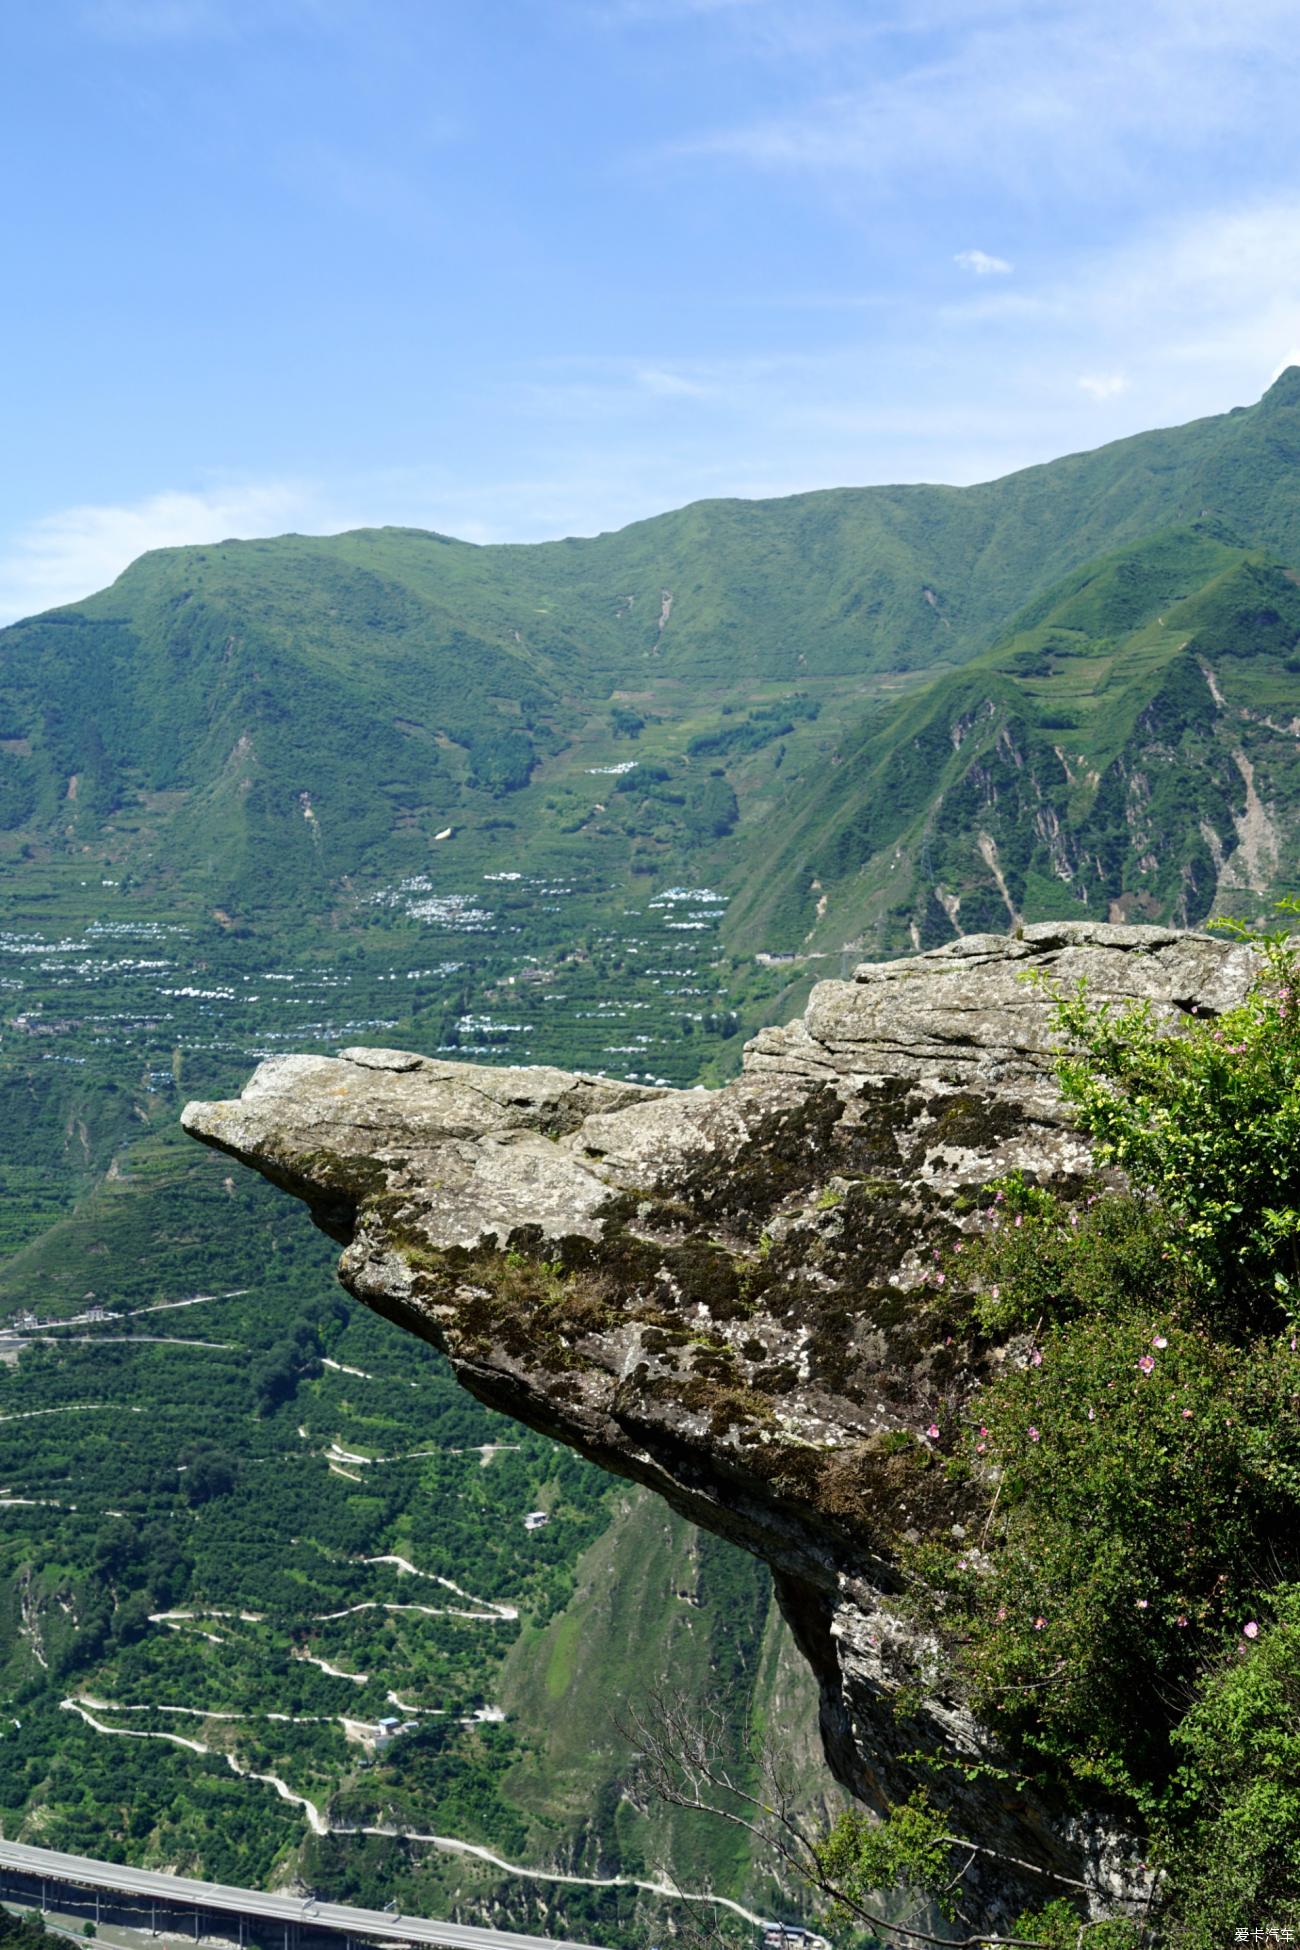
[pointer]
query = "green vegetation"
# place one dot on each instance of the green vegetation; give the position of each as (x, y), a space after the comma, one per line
(1126, 1618)
(240, 1458)
(545, 804)
(24, 1932)
(1123, 753)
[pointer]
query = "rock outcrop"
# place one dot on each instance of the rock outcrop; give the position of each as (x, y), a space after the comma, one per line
(733, 1295)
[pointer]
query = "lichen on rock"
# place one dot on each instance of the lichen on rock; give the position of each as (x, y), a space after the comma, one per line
(737, 1297)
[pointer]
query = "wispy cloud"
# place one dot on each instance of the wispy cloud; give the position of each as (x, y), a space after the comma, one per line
(1212, 294)
(71, 553)
(1182, 317)
(667, 384)
(1038, 95)
(982, 264)
(1103, 386)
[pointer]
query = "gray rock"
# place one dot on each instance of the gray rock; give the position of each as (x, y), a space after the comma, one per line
(730, 1295)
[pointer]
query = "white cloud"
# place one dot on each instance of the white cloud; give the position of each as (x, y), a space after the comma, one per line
(982, 264)
(1103, 385)
(671, 385)
(1036, 96)
(1213, 294)
(1188, 315)
(72, 553)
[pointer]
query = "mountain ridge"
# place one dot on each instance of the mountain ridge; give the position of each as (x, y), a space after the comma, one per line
(262, 722)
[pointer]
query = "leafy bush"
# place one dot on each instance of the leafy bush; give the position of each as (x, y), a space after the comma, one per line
(1238, 1851)
(1128, 1617)
(1208, 1123)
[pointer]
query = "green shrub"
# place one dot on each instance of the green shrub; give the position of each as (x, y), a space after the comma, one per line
(1236, 1856)
(1127, 1617)
(1208, 1123)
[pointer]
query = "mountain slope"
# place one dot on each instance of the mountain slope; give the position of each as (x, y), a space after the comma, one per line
(1130, 751)
(269, 718)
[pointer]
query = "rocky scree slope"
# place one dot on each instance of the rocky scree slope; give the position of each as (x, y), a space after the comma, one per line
(733, 1296)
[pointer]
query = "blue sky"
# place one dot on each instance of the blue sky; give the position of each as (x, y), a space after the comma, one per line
(521, 268)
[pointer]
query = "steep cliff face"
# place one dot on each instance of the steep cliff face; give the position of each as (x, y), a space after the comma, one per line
(734, 1297)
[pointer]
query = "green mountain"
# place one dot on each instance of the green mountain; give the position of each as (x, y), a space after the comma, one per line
(1128, 752)
(258, 722)
(543, 804)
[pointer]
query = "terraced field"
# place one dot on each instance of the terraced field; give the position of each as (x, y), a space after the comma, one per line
(272, 1605)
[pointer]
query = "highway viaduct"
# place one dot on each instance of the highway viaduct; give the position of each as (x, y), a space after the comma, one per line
(255, 1919)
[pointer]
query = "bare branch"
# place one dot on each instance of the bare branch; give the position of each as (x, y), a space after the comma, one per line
(689, 1759)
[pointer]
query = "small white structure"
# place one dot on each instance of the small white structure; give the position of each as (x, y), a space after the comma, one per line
(535, 1520)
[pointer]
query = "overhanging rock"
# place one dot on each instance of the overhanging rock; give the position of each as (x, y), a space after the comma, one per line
(732, 1295)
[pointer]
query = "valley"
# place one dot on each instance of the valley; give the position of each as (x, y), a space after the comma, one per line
(272, 1606)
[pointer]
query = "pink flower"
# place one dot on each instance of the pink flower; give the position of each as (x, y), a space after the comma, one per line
(996, 1291)
(1147, 1363)
(1039, 1624)
(1033, 1435)
(1159, 1341)
(1036, 1358)
(1181, 1619)
(980, 1447)
(1187, 1415)
(1020, 1218)
(983, 1430)
(1002, 1612)
(933, 1431)
(1092, 1414)
(1143, 1604)
(938, 1279)
(1251, 1629)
